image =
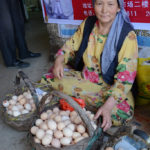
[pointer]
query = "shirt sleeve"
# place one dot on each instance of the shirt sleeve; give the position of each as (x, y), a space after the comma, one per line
(126, 69)
(72, 45)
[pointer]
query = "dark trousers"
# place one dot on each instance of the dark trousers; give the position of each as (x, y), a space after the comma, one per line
(12, 34)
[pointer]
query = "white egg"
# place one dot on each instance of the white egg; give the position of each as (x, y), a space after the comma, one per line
(81, 129)
(75, 135)
(58, 134)
(44, 116)
(85, 134)
(14, 97)
(36, 140)
(77, 120)
(20, 107)
(20, 97)
(65, 141)
(22, 101)
(40, 134)
(5, 103)
(9, 112)
(73, 113)
(24, 111)
(71, 126)
(27, 106)
(57, 118)
(16, 113)
(12, 102)
(79, 139)
(63, 113)
(43, 126)
(34, 129)
(56, 110)
(56, 143)
(52, 124)
(49, 132)
(15, 108)
(67, 122)
(38, 122)
(64, 118)
(46, 140)
(60, 125)
(109, 148)
(67, 132)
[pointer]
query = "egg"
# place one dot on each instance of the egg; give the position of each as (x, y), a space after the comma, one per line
(85, 135)
(40, 134)
(38, 122)
(46, 140)
(56, 110)
(43, 126)
(73, 113)
(49, 132)
(9, 112)
(58, 134)
(56, 143)
(79, 139)
(77, 120)
(44, 116)
(16, 113)
(65, 141)
(14, 97)
(24, 111)
(15, 108)
(20, 97)
(36, 140)
(63, 113)
(67, 122)
(52, 124)
(71, 126)
(81, 129)
(67, 132)
(57, 118)
(109, 148)
(60, 125)
(22, 101)
(64, 118)
(5, 103)
(75, 135)
(12, 102)
(34, 129)
(27, 106)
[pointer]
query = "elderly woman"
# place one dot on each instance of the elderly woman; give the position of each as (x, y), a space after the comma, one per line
(105, 60)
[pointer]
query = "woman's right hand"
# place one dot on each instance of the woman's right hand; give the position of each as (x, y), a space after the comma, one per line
(58, 69)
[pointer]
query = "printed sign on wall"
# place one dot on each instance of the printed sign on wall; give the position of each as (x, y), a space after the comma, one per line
(74, 11)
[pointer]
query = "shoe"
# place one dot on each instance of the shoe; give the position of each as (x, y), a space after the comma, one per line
(19, 64)
(33, 55)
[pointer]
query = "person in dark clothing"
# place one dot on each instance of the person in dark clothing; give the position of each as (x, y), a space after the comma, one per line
(12, 35)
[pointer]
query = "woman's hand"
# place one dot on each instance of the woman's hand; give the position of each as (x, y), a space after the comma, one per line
(58, 69)
(105, 111)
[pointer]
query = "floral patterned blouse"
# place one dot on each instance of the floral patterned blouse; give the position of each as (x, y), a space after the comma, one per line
(127, 58)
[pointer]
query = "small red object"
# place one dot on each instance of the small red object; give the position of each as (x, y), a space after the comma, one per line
(65, 106)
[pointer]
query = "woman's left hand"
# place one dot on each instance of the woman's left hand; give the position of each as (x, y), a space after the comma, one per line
(105, 111)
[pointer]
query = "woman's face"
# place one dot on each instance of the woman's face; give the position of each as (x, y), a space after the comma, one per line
(106, 10)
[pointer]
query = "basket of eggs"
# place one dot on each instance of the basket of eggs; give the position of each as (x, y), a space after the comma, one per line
(20, 108)
(60, 129)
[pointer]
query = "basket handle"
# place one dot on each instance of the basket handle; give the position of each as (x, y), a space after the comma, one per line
(74, 104)
(28, 83)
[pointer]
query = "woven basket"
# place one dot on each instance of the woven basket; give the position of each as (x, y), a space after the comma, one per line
(22, 122)
(81, 145)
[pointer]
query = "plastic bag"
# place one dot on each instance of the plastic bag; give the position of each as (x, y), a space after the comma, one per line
(143, 80)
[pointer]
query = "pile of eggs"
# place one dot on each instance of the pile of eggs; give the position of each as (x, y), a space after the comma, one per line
(19, 105)
(58, 128)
